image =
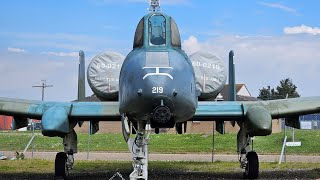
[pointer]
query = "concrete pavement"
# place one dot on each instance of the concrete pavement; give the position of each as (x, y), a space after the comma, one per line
(111, 156)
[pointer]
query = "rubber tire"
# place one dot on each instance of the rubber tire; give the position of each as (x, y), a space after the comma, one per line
(60, 165)
(252, 169)
(156, 130)
(179, 128)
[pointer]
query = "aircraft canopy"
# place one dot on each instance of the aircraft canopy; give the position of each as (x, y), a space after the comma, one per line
(157, 30)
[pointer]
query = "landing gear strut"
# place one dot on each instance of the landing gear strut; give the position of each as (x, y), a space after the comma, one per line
(247, 157)
(138, 147)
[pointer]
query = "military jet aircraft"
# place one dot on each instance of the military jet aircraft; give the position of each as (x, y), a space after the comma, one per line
(158, 86)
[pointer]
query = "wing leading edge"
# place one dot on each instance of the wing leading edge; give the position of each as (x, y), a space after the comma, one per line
(230, 110)
(206, 111)
(102, 111)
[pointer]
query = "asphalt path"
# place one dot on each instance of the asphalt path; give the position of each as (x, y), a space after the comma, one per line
(110, 156)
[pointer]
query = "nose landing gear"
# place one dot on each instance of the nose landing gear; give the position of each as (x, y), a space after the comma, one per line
(138, 147)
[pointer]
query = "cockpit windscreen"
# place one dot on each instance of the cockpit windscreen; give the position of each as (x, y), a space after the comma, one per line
(157, 30)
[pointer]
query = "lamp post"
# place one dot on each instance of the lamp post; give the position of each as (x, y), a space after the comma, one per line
(43, 86)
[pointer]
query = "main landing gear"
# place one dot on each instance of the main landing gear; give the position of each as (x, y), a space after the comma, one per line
(63, 165)
(64, 161)
(248, 158)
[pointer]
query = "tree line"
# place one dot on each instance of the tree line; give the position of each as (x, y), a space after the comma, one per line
(284, 89)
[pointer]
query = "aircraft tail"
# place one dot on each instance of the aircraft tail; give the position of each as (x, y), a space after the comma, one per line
(232, 81)
(81, 80)
(81, 77)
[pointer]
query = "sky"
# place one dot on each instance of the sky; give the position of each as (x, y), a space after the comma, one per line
(272, 40)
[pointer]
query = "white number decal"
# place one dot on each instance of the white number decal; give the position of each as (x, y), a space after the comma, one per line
(157, 90)
(206, 65)
(108, 66)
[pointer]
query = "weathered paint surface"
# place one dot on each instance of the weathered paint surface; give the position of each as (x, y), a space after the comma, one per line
(55, 121)
(211, 111)
(288, 107)
(103, 111)
(77, 110)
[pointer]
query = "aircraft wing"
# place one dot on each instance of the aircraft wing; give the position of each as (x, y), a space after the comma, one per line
(284, 108)
(102, 111)
(237, 110)
(219, 110)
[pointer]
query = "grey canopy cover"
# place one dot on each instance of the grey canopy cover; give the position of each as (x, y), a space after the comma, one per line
(103, 74)
(210, 74)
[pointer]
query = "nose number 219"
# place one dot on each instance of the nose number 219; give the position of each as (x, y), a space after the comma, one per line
(157, 90)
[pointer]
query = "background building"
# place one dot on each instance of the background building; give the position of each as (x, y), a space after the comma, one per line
(5, 122)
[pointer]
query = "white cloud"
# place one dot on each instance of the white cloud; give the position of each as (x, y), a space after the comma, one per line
(62, 54)
(191, 45)
(16, 50)
(262, 61)
(303, 29)
(279, 6)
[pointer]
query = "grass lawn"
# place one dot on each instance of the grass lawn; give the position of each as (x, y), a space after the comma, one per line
(43, 169)
(47, 166)
(167, 143)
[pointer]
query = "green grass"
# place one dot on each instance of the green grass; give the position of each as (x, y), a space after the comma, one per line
(44, 169)
(167, 143)
(47, 166)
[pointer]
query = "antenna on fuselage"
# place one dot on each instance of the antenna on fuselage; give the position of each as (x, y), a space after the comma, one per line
(154, 6)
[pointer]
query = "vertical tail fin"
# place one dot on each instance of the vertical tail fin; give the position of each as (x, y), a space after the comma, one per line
(232, 81)
(81, 77)
(81, 80)
(220, 127)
